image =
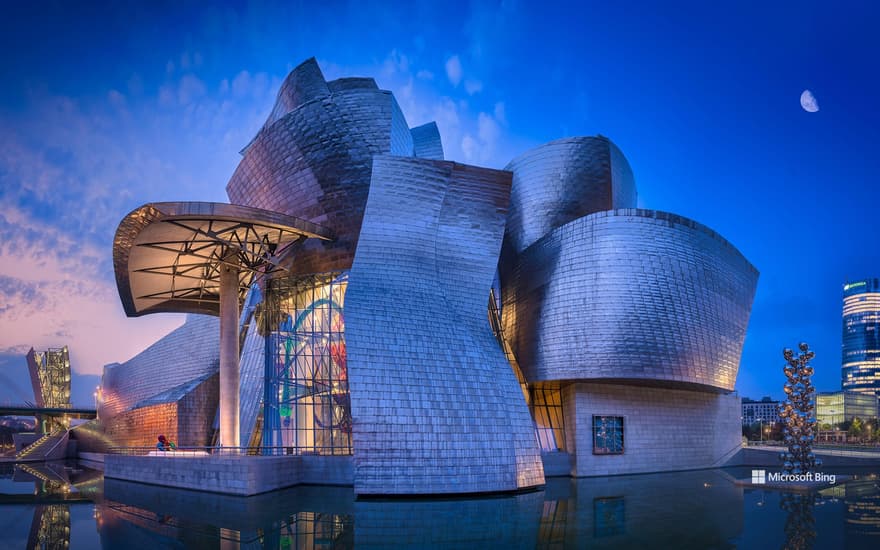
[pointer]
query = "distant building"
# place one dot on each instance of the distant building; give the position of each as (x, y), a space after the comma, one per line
(50, 378)
(840, 406)
(861, 336)
(766, 410)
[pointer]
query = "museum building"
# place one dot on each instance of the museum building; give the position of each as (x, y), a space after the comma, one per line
(448, 328)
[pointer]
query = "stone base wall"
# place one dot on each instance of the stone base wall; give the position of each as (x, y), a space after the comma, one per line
(556, 464)
(233, 475)
(664, 429)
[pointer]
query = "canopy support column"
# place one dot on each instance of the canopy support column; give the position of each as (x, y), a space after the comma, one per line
(229, 356)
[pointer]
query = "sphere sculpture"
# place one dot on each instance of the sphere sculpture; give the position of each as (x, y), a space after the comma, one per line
(797, 413)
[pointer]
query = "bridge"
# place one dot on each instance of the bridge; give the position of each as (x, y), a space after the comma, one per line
(30, 410)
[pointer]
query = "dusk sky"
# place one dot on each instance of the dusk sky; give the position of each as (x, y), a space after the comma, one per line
(104, 107)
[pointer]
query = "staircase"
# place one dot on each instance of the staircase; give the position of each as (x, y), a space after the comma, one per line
(49, 447)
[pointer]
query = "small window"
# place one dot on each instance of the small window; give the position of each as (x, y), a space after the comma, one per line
(607, 435)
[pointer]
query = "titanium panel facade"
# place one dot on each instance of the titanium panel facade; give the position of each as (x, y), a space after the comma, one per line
(426, 141)
(184, 414)
(188, 352)
(436, 406)
(312, 159)
(378, 343)
(633, 295)
(561, 181)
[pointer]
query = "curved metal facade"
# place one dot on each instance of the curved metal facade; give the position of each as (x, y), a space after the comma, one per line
(312, 159)
(592, 290)
(561, 181)
(185, 354)
(630, 295)
(166, 255)
(436, 406)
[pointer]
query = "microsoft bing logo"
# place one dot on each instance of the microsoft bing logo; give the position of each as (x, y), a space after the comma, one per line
(761, 477)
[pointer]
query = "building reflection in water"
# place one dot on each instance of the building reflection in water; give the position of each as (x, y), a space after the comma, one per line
(142, 516)
(50, 528)
(55, 485)
(861, 501)
(682, 510)
(705, 509)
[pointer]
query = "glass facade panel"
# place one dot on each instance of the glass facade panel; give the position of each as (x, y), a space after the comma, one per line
(836, 407)
(861, 336)
(307, 407)
(546, 407)
(607, 435)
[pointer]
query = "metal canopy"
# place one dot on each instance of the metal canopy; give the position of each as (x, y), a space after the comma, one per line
(167, 255)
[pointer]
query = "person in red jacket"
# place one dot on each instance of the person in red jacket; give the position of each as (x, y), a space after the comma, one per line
(165, 444)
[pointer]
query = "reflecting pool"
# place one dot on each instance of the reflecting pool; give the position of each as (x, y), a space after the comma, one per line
(58, 505)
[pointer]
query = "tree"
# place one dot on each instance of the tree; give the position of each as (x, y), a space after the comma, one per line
(856, 427)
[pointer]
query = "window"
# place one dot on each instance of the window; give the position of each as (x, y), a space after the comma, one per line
(309, 408)
(547, 411)
(607, 435)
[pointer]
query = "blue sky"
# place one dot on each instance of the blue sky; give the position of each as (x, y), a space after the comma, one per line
(106, 106)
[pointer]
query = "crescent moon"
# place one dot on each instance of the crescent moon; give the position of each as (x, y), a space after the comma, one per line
(808, 102)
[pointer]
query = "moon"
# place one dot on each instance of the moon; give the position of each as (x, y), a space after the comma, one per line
(808, 102)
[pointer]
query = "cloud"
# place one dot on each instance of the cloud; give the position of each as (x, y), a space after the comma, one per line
(71, 168)
(116, 98)
(247, 85)
(470, 135)
(396, 62)
(453, 70)
(481, 148)
(50, 299)
(472, 86)
(500, 113)
(190, 89)
(20, 349)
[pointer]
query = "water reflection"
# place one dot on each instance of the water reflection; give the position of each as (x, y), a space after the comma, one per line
(50, 528)
(701, 509)
(861, 501)
(606, 513)
(142, 516)
(800, 525)
(47, 488)
(844, 516)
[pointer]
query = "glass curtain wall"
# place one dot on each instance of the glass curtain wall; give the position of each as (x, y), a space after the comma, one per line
(307, 404)
(546, 405)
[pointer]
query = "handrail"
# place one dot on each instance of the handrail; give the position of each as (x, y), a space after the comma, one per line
(182, 450)
(852, 453)
(62, 437)
(33, 446)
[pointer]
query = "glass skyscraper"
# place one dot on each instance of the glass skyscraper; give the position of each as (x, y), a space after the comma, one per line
(861, 336)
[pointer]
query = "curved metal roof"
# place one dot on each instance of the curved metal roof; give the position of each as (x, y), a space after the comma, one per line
(167, 255)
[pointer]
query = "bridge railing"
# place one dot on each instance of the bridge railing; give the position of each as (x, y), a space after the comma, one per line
(184, 451)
